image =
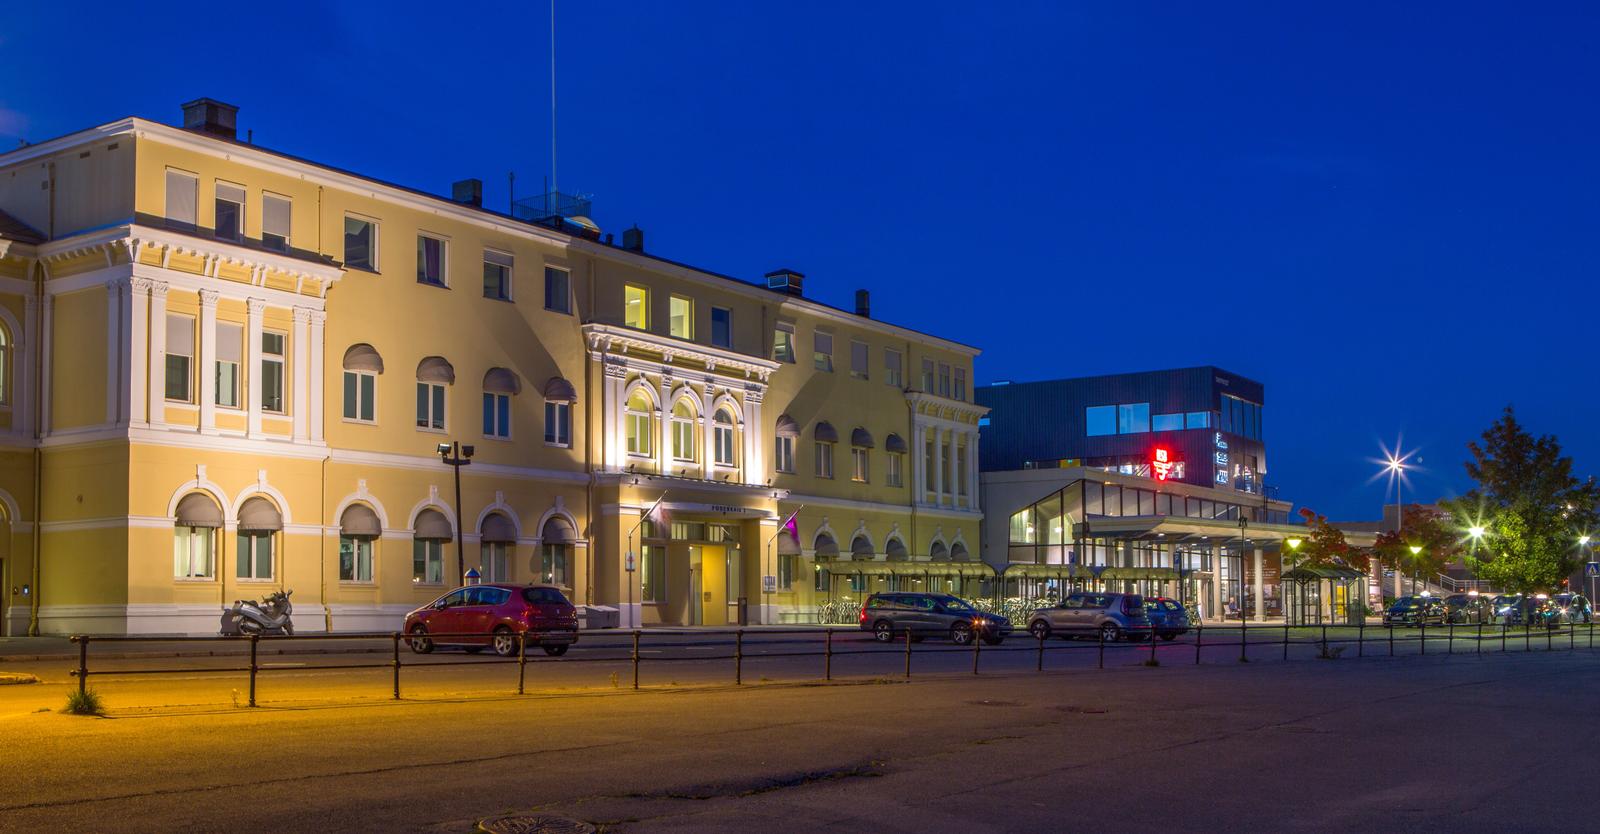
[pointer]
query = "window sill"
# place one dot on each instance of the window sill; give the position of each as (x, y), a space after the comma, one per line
(431, 430)
(439, 285)
(255, 581)
(354, 422)
(558, 312)
(194, 580)
(640, 456)
(501, 438)
(360, 268)
(274, 415)
(183, 404)
(554, 445)
(418, 583)
(506, 299)
(357, 583)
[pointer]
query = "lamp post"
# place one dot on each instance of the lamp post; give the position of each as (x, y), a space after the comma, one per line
(1396, 464)
(1243, 523)
(1294, 543)
(1416, 549)
(1583, 542)
(1476, 531)
(456, 455)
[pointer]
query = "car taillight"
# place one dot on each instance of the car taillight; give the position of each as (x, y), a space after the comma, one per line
(863, 617)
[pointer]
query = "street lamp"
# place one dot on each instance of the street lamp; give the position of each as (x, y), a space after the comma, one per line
(1415, 550)
(455, 455)
(1583, 542)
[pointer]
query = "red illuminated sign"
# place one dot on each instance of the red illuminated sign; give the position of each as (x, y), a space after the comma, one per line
(1163, 463)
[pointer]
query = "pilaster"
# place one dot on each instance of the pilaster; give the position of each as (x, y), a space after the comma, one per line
(205, 361)
(315, 368)
(158, 354)
(300, 367)
(138, 364)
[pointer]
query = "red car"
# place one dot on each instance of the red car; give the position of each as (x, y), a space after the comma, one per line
(499, 612)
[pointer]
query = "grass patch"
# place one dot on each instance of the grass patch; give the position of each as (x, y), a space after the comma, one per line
(16, 678)
(86, 702)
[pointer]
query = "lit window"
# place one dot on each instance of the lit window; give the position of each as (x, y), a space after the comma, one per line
(1197, 420)
(272, 372)
(636, 307)
(858, 464)
(497, 275)
(783, 342)
(1100, 420)
(683, 426)
(553, 564)
(638, 424)
(557, 290)
(1133, 418)
(558, 423)
(722, 327)
(783, 459)
(496, 415)
(230, 345)
(180, 357)
(1166, 422)
(355, 559)
(360, 243)
(824, 464)
(893, 374)
(275, 222)
(430, 261)
(194, 552)
(430, 406)
(182, 199)
(255, 554)
(427, 561)
(722, 437)
(680, 314)
(5, 367)
(860, 358)
(229, 211)
(360, 396)
(822, 351)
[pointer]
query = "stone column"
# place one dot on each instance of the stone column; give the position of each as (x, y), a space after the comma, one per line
(664, 428)
(205, 360)
(300, 366)
(158, 354)
(972, 471)
(119, 314)
(611, 415)
(318, 384)
(139, 352)
(48, 365)
(707, 428)
(1260, 583)
(938, 466)
(755, 460)
(252, 359)
(27, 342)
(919, 473)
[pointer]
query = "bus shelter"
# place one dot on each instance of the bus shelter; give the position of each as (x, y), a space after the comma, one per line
(1324, 594)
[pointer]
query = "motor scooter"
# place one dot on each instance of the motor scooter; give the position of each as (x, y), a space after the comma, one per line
(269, 616)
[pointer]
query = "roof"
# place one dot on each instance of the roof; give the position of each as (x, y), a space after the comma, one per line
(1151, 372)
(14, 229)
(129, 123)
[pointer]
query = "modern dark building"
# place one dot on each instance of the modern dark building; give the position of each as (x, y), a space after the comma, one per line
(1206, 420)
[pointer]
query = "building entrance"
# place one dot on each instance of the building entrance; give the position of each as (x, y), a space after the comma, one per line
(708, 585)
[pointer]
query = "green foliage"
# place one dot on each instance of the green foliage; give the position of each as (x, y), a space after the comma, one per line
(1531, 506)
(86, 702)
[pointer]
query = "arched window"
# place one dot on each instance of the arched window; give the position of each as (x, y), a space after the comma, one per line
(785, 433)
(826, 548)
(499, 537)
(555, 558)
(860, 548)
(896, 550)
(362, 365)
(938, 552)
(5, 367)
(958, 552)
(637, 423)
(559, 395)
(683, 424)
(194, 543)
(259, 525)
(359, 527)
(722, 429)
(428, 537)
(433, 374)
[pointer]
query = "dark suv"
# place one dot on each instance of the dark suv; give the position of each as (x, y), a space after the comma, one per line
(888, 616)
(1415, 611)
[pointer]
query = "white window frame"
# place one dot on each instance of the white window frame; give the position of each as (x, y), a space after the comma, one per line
(681, 429)
(492, 399)
(218, 363)
(638, 429)
(860, 464)
(432, 558)
(444, 259)
(822, 450)
(895, 475)
(184, 540)
(375, 264)
(785, 330)
(860, 359)
(894, 372)
(246, 555)
(509, 269)
(566, 289)
(783, 457)
(821, 359)
(644, 306)
(724, 433)
(188, 364)
(216, 197)
(361, 556)
(688, 317)
(193, 221)
(429, 414)
(728, 314)
(558, 412)
(359, 399)
(281, 360)
(267, 234)
(496, 557)
(547, 564)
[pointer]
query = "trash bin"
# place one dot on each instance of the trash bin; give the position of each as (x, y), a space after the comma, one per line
(601, 616)
(744, 611)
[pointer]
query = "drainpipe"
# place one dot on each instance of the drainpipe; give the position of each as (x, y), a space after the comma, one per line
(322, 550)
(589, 440)
(38, 413)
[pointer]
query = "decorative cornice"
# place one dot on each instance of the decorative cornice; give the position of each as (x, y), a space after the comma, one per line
(612, 344)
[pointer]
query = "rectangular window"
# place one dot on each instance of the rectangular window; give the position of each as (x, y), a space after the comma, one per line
(822, 351)
(230, 344)
(430, 261)
(1197, 420)
(928, 470)
(496, 275)
(638, 432)
(824, 459)
(255, 554)
(1100, 420)
(636, 307)
(557, 290)
(653, 573)
(896, 474)
(824, 580)
(680, 317)
(960, 392)
(1166, 422)
(892, 371)
(496, 565)
(496, 415)
(360, 243)
(272, 371)
(558, 423)
(355, 559)
(180, 357)
(860, 358)
(230, 211)
(722, 327)
(553, 564)
(1133, 418)
(430, 406)
(927, 376)
(944, 380)
(194, 552)
(275, 222)
(427, 561)
(360, 393)
(783, 342)
(783, 460)
(182, 199)
(786, 562)
(859, 465)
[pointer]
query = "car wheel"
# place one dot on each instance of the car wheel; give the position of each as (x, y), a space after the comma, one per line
(556, 650)
(1109, 632)
(1040, 629)
(961, 634)
(883, 631)
(419, 640)
(1169, 636)
(505, 643)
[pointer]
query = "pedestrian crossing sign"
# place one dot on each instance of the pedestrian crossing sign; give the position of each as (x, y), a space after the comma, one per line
(1592, 569)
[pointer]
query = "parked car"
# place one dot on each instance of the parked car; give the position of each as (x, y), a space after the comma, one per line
(1086, 614)
(1568, 608)
(1167, 617)
(1412, 610)
(889, 616)
(1513, 609)
(1465, 609)
(499, 612)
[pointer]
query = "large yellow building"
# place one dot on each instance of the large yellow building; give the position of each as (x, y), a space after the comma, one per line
(226, 371)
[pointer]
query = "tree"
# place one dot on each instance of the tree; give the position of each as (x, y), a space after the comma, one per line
(1324, 544)
(1425, 528)
(1531, 507)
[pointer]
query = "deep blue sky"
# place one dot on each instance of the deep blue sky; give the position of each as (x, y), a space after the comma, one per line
(1384, 214)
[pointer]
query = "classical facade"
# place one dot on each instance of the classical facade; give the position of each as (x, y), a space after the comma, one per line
(226, 371)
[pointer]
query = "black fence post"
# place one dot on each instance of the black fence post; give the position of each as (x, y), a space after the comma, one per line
(1361, 637)
(1324, 639)
(396, 664)
(1591, 634)
(1505, 626)
(976, 644)
(738, 657)
(1152, 646)
(1450, 636)
(1244, 655)
(1422, 628)
(522, 660)
(1572, 637)
(83, 664)
(827, 655)
(1549, 637)
(635, 658)
(1199, 639)
(255, 640)
(1286, 640)
(1479, 650)
(1102, 633)
(1390, 628)
(908, 652)
(1038, 668)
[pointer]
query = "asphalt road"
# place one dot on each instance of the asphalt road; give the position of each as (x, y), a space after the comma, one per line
(1306, 745)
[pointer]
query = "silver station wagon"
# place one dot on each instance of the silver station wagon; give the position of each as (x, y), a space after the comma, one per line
(1087, 614)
